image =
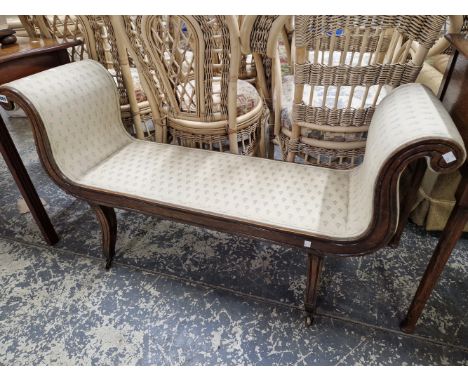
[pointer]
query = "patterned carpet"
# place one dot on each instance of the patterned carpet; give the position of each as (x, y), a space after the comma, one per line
(181, 295)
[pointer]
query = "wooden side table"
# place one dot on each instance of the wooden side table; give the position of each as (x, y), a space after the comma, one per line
(16, 61)
(454, 96)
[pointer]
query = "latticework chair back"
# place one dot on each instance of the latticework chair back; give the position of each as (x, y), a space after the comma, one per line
(260, 35)
(62, 28)
(344, 66)
(100, 44)
(102, 40)
(181, 64)
(190, 71)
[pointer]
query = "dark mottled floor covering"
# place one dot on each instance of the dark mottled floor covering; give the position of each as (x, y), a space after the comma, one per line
(181, 295)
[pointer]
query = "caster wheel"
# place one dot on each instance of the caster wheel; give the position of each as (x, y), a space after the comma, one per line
(309, 321)
(108, 265)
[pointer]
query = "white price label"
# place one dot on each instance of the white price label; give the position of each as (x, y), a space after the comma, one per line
(3, 99)
(449, 157)
(307, 243)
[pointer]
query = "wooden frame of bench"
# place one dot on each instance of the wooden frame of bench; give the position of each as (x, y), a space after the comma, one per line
(379, 233)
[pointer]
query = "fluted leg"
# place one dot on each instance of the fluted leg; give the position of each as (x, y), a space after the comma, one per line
(314, 268)
(108, 221)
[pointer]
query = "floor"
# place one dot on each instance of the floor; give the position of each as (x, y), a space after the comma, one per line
(181, 295)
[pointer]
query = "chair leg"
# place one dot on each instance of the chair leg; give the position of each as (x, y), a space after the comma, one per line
(314, 268)
(108, 221)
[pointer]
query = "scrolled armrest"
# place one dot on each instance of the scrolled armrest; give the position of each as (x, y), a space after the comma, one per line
(410, 123)
(410, 116)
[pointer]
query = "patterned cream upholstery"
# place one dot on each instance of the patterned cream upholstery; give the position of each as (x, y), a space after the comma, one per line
(408, 114)
(79, 106)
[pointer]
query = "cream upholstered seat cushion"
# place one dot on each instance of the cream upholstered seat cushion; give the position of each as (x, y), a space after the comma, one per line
(430, 77)
(273, 193)
(305, 199)
(78, 104)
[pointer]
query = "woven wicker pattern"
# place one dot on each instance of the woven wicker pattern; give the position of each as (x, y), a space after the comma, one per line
(181, 59)
(62, 28)
(260, 33)
(388, 74)
(351, 59)
(106, 49)
(100, 44)
(423, 29)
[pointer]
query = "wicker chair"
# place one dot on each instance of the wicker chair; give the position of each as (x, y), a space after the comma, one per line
(258, 33)
(344, 66)
(189, 68)
(100, 44)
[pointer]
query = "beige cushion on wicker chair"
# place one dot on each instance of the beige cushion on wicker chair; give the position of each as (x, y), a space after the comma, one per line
(92, 149)
(247, 97)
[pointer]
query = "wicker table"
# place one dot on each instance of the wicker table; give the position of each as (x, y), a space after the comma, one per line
(16, 61)
(454, 96)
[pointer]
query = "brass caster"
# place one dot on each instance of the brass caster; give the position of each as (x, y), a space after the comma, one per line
(309, 320)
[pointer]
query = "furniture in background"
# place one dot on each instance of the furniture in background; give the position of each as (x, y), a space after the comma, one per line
(437, 58)
(436, 194)
(17, 61)
(260, 36)
(100, 44)
(454, 96)
(189, 68)
(86, 150)
(418, 181)
(344, 67)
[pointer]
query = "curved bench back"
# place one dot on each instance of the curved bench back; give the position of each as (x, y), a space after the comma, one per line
(80, 134)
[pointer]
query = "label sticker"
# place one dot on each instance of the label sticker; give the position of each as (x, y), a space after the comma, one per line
(307, 243)
(449, 157)
(3, 99)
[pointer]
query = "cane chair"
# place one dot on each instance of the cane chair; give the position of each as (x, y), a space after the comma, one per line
(61, 28)
(189, 69)
(247, 68)
(345, 65)
(257, 33)
(100, 44)
(13, 22)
